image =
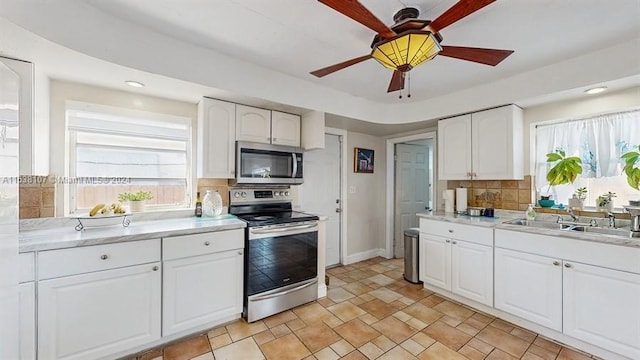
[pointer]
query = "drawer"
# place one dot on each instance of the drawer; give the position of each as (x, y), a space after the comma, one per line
(27, 267)
(79, 260)
(176, 247)
(475, 234)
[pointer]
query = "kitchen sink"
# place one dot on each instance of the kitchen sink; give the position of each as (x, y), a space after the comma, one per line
(538, 224)
(605, 231)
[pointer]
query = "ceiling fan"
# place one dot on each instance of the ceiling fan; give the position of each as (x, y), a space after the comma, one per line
(411, 41)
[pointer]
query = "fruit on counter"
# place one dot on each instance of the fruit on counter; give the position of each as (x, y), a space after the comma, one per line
(94, 210)
(103, 209)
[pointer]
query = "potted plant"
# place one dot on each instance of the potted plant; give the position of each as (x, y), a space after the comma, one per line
(565, 169)
(136, 200)
(605, 202)
(578, 198)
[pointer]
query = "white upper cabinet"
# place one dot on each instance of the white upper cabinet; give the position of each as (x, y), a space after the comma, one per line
(216, 139)
(486, 145)
(253, 124)
(266, 126)
(285, 129)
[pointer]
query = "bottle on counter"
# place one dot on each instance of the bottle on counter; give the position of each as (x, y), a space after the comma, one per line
(212, 203)
(530, 214)
(198, 205)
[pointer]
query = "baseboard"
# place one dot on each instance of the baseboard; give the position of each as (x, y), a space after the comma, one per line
(365, 255)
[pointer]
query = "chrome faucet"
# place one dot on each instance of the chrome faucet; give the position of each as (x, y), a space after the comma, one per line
(612, 220)
(573, 216)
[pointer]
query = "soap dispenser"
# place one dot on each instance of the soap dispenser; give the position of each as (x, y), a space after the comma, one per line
(530, 214)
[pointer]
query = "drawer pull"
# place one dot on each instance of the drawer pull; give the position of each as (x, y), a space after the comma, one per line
(104, 257)
(454, 242)
(450, 231)
(556, 263)
(447, 241)
(567, 265)
(239, 252)
(206, 243)
(155, 268)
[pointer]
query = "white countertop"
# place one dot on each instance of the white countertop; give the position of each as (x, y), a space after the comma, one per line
(67, 236)
(503, 216)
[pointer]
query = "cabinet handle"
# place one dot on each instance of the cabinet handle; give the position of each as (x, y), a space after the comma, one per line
(450, 231)
(206, 243)
(556, 263)
(567, 265)
(155, 268)
(240, 252)
(447, 241)
(104, 257)
(454, 242)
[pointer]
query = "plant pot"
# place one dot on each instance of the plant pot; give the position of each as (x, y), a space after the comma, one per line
(136, 206)
(605, 208)
(576, 204)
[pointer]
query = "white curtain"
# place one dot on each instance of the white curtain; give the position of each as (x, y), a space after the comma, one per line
(598, 141)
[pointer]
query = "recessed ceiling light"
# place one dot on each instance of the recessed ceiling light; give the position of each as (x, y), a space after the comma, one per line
(134, 83)
(596, 90)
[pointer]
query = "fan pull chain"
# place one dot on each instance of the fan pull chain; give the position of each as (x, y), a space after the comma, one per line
(409, 85)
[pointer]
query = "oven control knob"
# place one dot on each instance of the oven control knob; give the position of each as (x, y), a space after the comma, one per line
(244, 194)
(236, 194)
(279, 193)
(286, 193)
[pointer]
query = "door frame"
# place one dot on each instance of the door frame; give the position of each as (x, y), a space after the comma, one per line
(344, 168)
(391, 182)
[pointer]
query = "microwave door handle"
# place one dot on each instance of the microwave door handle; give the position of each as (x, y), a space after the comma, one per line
(295, 165)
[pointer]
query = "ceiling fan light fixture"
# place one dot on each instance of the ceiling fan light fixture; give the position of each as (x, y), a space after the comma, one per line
(133, 83)
(407, 50)
(596, 90)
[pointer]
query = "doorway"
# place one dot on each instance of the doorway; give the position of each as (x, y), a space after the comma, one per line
(410, 186)
(322, 193)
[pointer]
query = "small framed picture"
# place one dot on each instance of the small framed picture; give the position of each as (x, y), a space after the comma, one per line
(363, 161)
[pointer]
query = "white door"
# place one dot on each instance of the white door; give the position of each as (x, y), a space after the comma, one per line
(435, 261)
(321, 191)
(253, 124)
(472, 271)
(529, 286)
(27, 320)
(99, 314)
(602, 307)
(285, 129)
(412, 190)
(216, 139)
(492, 144)
(11, 84)
(192, 297)
(454, 148)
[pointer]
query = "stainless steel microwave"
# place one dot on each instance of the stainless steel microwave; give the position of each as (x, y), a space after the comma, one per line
(258, 163)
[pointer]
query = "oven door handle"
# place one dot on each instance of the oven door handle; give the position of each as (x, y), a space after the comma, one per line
(283, 229)
(276, 294)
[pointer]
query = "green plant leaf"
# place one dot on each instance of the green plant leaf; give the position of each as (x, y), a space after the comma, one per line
(551, 157)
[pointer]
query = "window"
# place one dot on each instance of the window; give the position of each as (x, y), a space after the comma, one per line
(598, 141)
(111, 153)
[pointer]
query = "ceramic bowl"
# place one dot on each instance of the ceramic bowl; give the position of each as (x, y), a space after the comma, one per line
(546, 203)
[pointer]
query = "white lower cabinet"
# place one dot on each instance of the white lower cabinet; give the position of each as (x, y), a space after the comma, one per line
(529, 286)
(602, 307)
(202, 289)
(202, 279)
(27, 301)
(462, 267)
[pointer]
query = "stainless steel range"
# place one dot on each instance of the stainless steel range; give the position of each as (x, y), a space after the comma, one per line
(281, 251)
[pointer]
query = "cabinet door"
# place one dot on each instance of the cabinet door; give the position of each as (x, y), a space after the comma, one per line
(99, 314)
(497, 144)
(472, 271)
(216, 139)
(27, 315)
(435, 261)
(602, 307)
(454, 148)
(201, 290)
(253, 124)
(529, 286)
(285, 129)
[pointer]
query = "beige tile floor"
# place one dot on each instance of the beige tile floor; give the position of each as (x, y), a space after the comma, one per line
(370, 312)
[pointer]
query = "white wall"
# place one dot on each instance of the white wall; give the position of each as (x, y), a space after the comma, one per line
(574, 109)
(62, 91)
(366, 206)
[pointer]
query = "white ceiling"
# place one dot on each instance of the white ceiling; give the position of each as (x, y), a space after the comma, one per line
(273, 45)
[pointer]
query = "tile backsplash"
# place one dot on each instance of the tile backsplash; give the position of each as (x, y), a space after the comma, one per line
(222, 185)
(37, 196)
(499, 194)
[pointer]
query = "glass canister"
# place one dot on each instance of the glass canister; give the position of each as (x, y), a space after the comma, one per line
(212, 203)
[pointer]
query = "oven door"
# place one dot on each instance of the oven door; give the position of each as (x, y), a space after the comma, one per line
(281, 268)
(268, 164)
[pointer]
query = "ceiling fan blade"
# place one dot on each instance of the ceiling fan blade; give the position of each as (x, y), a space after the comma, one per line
(458, 11)
(479, 55)
(333, 68)
(397, 81)
(356, 11)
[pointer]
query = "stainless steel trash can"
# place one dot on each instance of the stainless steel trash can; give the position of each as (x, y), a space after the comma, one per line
(411, 257)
